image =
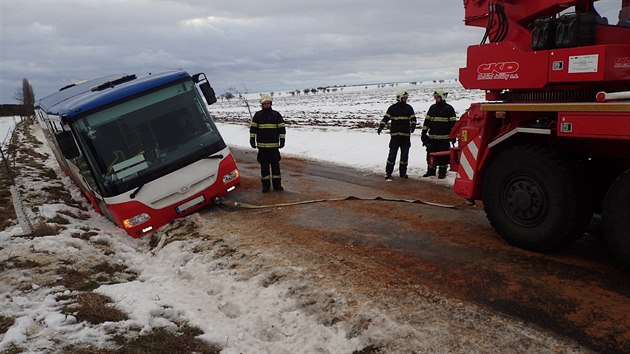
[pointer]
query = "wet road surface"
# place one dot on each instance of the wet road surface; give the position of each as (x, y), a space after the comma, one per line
(578, 293)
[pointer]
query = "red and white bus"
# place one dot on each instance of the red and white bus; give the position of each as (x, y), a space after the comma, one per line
(144, 150)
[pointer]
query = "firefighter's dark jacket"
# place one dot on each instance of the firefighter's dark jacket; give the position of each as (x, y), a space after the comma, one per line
(439, 121)
(267, 128)
(403, 118)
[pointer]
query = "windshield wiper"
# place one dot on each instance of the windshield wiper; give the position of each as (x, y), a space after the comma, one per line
(219, 156)
(133, 195)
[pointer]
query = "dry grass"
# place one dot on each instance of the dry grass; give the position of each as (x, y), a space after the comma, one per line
(108, 268)
(32, 155)
(7, 213)
(58, 219)
(84, 235)
(159, 341)
(59, 193)
(28, 157)
(370, 349)
(75, 279)
(5, 323)
(91, 278)
(17, 263)
(48, 174)
(44, 229)
(95, 308)
(78, 216)
(13, 349)
(26, 129)
(154, 240)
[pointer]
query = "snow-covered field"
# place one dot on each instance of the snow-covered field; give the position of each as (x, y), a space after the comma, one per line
(350, 107)
(6, 127)
(340, 126)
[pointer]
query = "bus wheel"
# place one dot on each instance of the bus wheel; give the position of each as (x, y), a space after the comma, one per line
(533, 199)
(616, 219)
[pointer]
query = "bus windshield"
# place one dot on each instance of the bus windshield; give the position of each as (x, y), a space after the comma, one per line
(143, 138)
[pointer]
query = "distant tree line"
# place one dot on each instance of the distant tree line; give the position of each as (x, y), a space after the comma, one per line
(26, 98)
(8, 110)
(230, 95)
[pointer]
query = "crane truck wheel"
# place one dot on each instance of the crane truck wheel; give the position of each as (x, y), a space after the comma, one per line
(533, 199)
(616, 219)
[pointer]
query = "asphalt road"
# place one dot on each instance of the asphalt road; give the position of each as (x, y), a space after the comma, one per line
(578, 293)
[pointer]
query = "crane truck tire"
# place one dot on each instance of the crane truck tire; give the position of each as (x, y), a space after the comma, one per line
(533, 198)
(616, 219)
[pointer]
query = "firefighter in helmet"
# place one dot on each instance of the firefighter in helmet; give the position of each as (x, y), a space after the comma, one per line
(403, 124)
(436, 130)
(267, 133)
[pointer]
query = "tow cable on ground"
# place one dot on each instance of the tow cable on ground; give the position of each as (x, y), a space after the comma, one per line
(241, 205)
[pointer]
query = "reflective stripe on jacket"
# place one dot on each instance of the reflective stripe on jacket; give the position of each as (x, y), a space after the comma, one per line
(402, 118)
(439, 121)
(267, 127)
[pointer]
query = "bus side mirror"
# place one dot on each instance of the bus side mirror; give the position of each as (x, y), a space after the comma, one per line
(206, 89)
(68, 148)
(208, 92)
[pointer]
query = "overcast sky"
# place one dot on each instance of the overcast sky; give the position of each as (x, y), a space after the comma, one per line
(248, 45)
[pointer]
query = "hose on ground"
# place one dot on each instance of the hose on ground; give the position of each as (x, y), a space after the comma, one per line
(241, 205)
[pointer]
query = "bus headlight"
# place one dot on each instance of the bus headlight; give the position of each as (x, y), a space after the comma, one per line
(136, 220)
(230, 176)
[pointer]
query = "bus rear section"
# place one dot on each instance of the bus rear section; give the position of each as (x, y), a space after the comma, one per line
(144, 150)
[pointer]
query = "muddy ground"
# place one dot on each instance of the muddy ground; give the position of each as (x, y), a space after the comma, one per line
(388, 250)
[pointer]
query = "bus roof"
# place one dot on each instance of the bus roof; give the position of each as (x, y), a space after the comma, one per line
(77, 99)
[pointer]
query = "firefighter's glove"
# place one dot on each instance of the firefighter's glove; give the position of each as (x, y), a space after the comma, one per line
(252, 142)
(412, 128)
(379, 130)
(281, 143)
(425, 140)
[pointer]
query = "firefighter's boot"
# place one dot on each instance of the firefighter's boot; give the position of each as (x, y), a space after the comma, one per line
(277, 185)
(266, 185)
(430, 172)
(442, 172)
(403, 171)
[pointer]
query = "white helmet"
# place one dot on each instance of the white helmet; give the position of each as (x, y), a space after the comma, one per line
(265, 97)
(441, 93)
(400, 94)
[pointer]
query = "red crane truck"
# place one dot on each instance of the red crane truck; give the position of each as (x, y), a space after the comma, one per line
(550, 147)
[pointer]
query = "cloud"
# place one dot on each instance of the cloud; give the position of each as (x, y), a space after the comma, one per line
(272, 45)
